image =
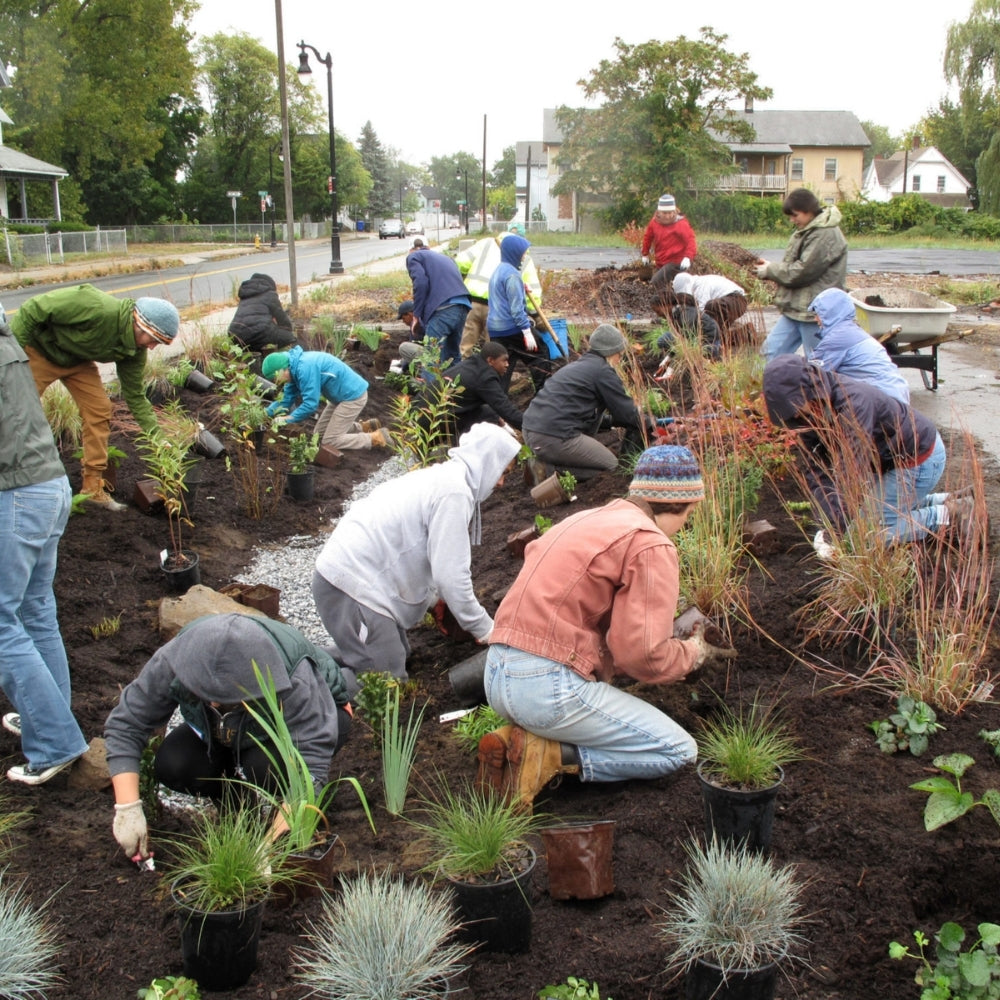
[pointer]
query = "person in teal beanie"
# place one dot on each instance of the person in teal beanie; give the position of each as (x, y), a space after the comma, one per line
(311, 376)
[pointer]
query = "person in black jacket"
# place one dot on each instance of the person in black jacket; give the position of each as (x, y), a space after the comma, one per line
(260, 321)
(562, 418)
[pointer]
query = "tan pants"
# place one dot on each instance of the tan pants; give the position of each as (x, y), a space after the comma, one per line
(474, 332)
(83, 382)
(338, 425)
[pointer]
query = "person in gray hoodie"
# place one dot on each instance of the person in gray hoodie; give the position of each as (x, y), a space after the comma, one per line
(207, 672)
(815, 259)
(406, 545)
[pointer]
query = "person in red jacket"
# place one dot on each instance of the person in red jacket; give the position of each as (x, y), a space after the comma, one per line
(670, 237)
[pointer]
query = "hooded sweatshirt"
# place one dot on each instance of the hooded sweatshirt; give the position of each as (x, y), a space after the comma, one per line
(508, 313)
(846, 348)
(408, 543)
(800, 394)
(670, 241)
(211, 660)
(315, 376)
(815, 259)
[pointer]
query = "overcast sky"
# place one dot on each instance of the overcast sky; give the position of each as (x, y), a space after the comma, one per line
(426, 74)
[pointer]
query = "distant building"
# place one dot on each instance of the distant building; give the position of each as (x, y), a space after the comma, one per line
(921, 170)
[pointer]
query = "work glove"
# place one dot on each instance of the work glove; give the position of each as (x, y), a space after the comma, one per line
(822, 546)
(645, 261)
(707, 653)
(130, 829)
(685, 263)
(279, 421)
(762, 270)
(530, 343)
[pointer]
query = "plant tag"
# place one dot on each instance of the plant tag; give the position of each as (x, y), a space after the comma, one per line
(458, 714)
(163, 555)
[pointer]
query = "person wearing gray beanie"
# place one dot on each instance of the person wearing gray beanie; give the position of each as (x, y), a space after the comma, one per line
(66, 332)
(562, 420)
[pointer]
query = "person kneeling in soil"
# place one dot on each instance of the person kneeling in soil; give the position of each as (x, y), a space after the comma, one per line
(206, 671)
(308, 377)
(561, 421)
(260, 321)
(839, 414)
(406, 545)
(596, 599)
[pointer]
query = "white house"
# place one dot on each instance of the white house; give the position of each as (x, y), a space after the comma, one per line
(919, 170)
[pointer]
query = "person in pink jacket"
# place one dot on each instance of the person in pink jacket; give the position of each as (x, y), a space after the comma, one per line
(596, 599)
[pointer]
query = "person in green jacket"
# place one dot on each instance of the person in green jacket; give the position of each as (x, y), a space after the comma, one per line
(65, 333)
(815, 260)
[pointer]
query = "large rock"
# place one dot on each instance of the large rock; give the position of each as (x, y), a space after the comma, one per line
(176, 612)
(91, 770)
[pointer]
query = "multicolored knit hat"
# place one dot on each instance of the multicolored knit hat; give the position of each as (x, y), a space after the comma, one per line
(668, 473)
(156, 317)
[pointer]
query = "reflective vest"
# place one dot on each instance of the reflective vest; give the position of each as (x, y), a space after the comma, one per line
(479, 261)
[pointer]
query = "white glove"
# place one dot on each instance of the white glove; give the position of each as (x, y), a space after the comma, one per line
(707, 653)
(822, 547)
(645, 260)
(280, 420)
(685, 263)
(130, 829)
(762, 271)
(530, 343)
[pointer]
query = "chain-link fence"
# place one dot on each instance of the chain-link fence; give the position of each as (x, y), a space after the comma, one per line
(53, 248)
(242, 232)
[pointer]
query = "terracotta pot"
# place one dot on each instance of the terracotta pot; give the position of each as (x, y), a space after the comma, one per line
(549, 493)
(579, 859)
(146, 498)
(518, 542)
(263, 598)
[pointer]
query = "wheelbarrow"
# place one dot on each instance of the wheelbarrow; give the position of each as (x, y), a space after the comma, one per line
(905, 353)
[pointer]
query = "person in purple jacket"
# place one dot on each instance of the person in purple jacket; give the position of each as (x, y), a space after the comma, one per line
(311, 376)
(440, 300)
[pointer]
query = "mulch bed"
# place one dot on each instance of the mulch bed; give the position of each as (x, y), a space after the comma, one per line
(846, 817)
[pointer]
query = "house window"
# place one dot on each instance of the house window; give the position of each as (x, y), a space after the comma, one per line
(940, 184)
(830, 168)
(915, 182)
(797, 168)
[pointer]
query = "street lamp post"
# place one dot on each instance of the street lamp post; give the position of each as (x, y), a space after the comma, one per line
(336, 266)
(270, 185)
(458, 176)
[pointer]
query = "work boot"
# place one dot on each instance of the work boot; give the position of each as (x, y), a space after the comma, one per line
(380, 439)
(95, 491)
(491, 776)
(533, 762)
(370, 425)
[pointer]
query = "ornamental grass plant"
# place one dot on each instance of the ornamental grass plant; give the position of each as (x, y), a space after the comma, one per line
(29, 946)
(63, 416)
(381, 938)
(399, 748)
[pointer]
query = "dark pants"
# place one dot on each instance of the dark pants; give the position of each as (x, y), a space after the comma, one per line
(538, 363)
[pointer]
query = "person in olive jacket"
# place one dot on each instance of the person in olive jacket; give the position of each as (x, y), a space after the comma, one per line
(260, 321)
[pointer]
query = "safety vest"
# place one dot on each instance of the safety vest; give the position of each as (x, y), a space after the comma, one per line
(479, 261)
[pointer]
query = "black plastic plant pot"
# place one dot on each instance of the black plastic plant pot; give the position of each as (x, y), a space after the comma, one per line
(265, 388)
(209, 445)
(219, 949)
(737, 816)
(497, 915)
(466, 680)
(181, 574)
(198, 381)
(301, 485)
(705, 981)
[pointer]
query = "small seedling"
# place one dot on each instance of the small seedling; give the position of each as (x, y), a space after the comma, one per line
(992, 738)
(171, 988)
(947, 800)
(542, 523)
(106, 627)
(78, 504)
(376, 689)
(568, 483)
(572, 989)
(908, 728)
(471, 728)
(957, 974)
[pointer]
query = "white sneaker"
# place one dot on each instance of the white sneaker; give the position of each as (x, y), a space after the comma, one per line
(12, 723)
(29, 775)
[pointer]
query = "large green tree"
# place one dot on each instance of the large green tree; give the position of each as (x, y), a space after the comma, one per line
(972, 60)
(650, 131)
(961, 134)
(883, 142)
(96, 85)
(449, 175)
(381, 200)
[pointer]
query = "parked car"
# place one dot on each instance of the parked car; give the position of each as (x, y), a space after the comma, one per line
(392, 227)
(414, 228)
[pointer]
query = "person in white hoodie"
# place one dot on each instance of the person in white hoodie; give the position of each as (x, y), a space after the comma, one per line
(402, 548)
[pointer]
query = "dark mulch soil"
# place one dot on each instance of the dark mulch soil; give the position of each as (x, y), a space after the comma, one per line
(846, 818)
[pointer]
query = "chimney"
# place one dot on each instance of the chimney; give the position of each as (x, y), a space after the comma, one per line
(916, 142)
(748, 105)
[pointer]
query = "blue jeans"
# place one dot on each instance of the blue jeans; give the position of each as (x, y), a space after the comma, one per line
(787, 335)
(446, 326)
(909, 509)
(34, 672)
(616, 735)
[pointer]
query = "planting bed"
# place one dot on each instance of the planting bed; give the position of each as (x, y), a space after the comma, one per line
(845, 816)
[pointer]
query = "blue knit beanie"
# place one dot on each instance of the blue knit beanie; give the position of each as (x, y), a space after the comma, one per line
(667, 473)
(157, 317)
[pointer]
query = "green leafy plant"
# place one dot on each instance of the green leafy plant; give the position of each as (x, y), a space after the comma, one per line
(302, 449)
(297, 799)
(78, 505)
(115, 456)
(567, 481)
(908, 728)
(422, 423)
(370, 336)
(734, 908)
(542, 523)
(107, 626)
(746, 748)
(178, 372)
(397, 380)
(524, 454)
(374, 693)
(399, 746)
(471, 728)
(170, 988)
(992, 739)
(29, 946)
(956, 974)
(571, 989)
(947, 801)
(381, 938)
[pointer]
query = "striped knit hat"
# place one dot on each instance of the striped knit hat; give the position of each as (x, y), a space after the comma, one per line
(667, 473)
(156, 317)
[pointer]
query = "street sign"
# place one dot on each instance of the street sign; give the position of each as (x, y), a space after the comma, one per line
(261, 194)
(234, 194)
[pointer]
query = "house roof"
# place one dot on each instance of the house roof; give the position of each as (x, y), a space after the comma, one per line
(552, 134)
(4, 78)
(14, 162)
(521, 152)
(777, 130)
(889, 168)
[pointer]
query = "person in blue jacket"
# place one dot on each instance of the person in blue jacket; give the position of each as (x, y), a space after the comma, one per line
(846, 348)
(508, 322)
(440, 300)
(311, 376)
